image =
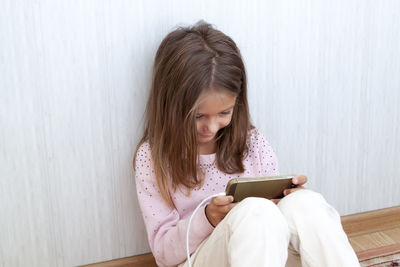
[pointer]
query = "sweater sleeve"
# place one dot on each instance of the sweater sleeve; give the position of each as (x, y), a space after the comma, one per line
(166, 230)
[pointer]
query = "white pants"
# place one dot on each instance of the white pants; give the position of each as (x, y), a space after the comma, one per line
(302, 230)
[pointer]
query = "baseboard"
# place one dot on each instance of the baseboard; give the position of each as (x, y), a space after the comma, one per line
(371, 221)
(353, 224)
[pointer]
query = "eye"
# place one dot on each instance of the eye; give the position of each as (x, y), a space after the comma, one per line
(198, 116)
(225, 112)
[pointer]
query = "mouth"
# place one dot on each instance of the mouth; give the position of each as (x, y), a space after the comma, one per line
(206, 135)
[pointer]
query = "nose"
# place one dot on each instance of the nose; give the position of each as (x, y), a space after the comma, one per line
(211, 126)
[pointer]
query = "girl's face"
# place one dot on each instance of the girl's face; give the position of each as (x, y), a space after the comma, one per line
(214, 112)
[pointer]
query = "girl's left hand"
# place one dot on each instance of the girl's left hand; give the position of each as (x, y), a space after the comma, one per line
(299, 181)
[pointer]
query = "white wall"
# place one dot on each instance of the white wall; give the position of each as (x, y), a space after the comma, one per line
(74, 79)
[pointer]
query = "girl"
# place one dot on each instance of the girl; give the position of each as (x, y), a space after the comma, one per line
(197, 137)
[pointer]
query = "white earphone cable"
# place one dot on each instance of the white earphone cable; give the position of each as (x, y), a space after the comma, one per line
(190, 221)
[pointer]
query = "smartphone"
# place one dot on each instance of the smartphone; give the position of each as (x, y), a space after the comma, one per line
(269, 187)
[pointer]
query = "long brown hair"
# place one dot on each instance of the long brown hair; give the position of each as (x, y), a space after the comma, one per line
(189, 61)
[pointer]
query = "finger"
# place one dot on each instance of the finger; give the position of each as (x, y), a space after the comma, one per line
(299, 180)
(289, 191)
(222, 200)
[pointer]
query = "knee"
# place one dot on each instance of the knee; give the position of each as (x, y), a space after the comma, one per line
(258, 210)
(256, 206)
(302, 197)
(305, 203)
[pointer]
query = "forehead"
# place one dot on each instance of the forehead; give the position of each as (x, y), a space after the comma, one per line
(212, 101)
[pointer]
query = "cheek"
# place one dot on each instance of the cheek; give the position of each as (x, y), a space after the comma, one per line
(198, 126)
(225, 122)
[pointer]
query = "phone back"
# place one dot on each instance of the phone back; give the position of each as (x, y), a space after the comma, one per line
(258, 187)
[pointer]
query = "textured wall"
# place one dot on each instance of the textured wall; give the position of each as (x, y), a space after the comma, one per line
(74, 78)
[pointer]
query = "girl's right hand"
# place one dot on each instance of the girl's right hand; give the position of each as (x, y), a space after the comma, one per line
(218, 208)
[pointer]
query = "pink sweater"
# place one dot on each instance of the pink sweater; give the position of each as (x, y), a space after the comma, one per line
(166, 226)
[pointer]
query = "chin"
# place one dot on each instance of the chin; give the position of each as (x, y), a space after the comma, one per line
(203, 140)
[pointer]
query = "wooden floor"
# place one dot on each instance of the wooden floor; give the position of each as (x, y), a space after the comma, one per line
(373, 229)
(374, 232)
(367, 232)
(376, 239)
